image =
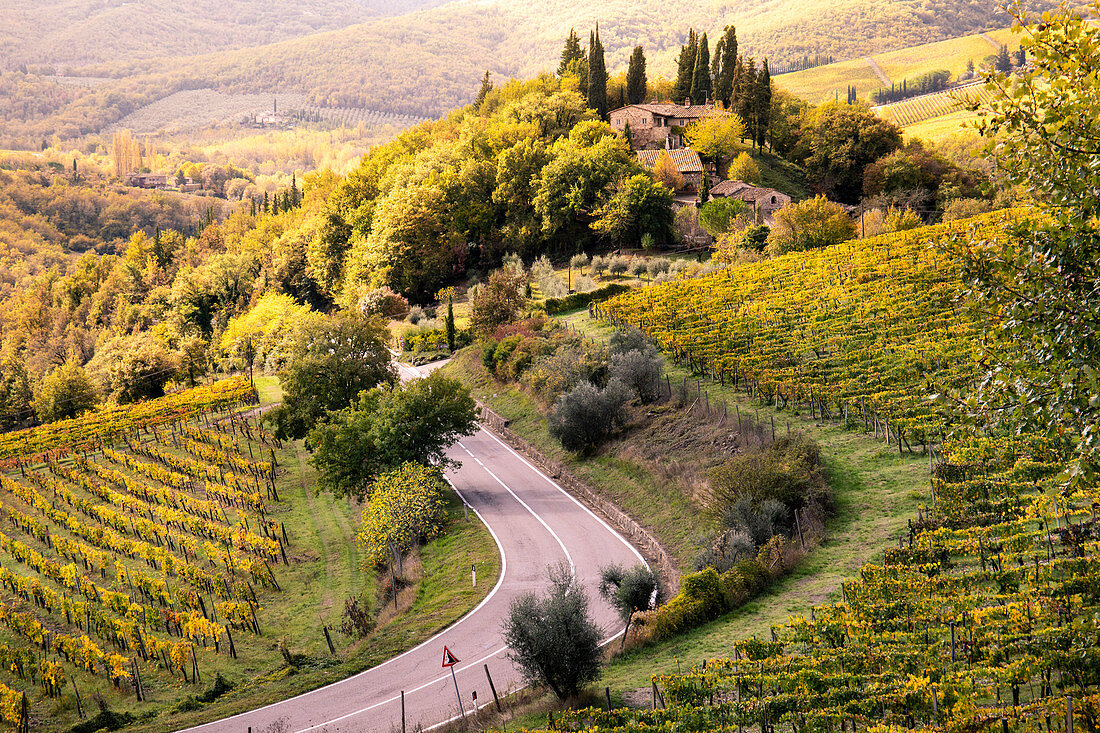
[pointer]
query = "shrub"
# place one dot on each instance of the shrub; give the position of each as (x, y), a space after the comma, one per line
(810, 224)
(553, 306)
(723, 550)
(497, 301)
(629, 590)
(567, 366)
(627, 339)
(552, 639)
(964, 208)
(583, 417)
(416, 315)
(583, 284)
(759, 519)
(640, 370)
(657, 266)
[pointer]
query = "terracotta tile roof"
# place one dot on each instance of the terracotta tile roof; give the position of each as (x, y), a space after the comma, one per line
(745, 191)
(668, 109)
(686, 159)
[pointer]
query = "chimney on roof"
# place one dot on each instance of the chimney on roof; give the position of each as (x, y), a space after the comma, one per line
(687, 101)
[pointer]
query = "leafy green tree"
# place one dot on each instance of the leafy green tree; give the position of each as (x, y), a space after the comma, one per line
(194, 359)
(15, 392)
(715, 136)
(700, 76)
(629, 591)
(725, 66)
(810, 224)
(636, 77)
(133, 368)
(597, 76)
(722, 215)
(1041, 281)
(641, 206)
(685, 68)
(64, 393)
(585, 415)
(332, 362)
(497, 301)
(405, 505)
(552, 638)
(389, 426)
(838, 142)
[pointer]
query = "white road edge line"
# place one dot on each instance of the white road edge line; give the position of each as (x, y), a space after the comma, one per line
(574, 499)
(532, 512)
(493, 592)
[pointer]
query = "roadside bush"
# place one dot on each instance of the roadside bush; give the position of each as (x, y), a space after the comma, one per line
(571, 363)
(630, 338)
(789, 471)
(640, 370)
(723, 550)
(759, 519)
(552, 638)
(583, 417)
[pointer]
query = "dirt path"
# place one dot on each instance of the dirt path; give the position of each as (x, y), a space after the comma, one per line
(878, 71)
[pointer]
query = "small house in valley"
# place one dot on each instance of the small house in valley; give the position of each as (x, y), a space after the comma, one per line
(764, 201)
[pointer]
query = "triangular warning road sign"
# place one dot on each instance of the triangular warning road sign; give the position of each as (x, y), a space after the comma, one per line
(449, 660)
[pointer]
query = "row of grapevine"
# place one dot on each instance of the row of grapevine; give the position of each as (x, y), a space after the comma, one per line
(93, 428)
(929, 106)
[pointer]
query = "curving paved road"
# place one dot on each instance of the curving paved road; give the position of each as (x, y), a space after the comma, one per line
(535, 524)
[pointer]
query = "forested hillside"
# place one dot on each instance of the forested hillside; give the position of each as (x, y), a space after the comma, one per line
(65, 33)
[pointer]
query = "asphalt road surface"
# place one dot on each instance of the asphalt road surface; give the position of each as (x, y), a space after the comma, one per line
(536, 524)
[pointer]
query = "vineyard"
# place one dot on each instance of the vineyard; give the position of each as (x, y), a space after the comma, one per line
(858, 331)
(353, 117)
(987, 613)
(930, 106)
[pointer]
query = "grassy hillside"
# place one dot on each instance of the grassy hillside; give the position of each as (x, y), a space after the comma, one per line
(823, 83)
(62, 33)
(425, 63)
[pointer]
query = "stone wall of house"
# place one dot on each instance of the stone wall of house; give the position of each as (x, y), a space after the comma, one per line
(645, 134)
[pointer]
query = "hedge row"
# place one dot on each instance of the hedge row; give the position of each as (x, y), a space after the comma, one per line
(555, 306)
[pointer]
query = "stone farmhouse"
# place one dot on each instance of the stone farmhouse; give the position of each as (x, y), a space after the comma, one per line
(764, 201)
(657, 125)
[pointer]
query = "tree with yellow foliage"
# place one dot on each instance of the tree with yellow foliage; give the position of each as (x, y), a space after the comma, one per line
(716, 136)
(667, 173)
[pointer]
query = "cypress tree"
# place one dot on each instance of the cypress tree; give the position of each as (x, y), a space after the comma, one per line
(636, 77)
(746, 96)
(685, 68)
(725, 66)
(1003, 62)
(486, 87)
(450, 324)
(597, 76)
(266, 204)
(763, 104)
(295, 199)
(628, 134)
(572, 52)
(704, 188)
(700, 78)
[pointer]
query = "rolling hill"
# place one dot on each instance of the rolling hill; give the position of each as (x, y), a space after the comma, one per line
(869, 73)
(429, 61)
(79, 32)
